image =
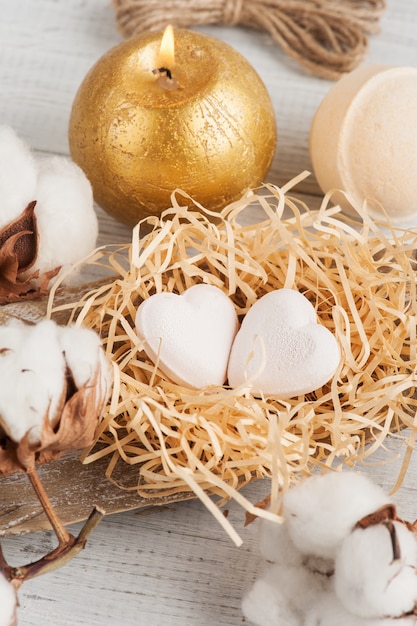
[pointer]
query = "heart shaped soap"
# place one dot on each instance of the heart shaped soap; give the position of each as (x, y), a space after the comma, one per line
(189, 335)
(281, 349)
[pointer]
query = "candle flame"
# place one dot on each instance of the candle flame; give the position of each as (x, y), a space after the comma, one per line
(166, 56)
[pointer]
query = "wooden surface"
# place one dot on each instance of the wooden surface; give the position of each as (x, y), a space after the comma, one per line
(73, 488)
(169, 565)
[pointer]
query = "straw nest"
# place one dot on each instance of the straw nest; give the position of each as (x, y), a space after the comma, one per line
(360, 277)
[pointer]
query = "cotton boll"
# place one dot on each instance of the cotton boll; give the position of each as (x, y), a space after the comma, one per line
(42, 356)
(42, 411)
(370, 580)
(327, 610)
(7, 602)
(32, 375)
(23, 406)
(323, 509)
(18, 176)
(266, 606)
(282, 595)
(61, 223)
(11, 338)
(84, 354)
(275, 544)
(66, 219)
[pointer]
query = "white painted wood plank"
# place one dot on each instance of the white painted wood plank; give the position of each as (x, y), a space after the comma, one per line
(167, 566)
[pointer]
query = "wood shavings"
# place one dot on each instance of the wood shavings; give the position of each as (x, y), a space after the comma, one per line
(212, 441)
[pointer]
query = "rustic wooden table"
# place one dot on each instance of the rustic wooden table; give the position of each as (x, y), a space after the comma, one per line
(169, 565)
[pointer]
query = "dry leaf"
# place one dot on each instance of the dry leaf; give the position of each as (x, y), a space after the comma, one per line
(19, 242)
(386, 513)
(263, 505)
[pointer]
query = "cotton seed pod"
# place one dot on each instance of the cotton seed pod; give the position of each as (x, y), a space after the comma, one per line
(322, 510)
(47, 219)
(375, 570)
(55, 383)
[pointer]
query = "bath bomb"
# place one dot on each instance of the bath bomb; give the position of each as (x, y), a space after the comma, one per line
(280, 348)
(189, 336)
(363, 141)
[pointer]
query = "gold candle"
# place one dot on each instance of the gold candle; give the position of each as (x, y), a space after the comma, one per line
(144, 123)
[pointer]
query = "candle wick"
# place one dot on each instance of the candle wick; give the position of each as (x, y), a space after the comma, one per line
(165, 79)
(163, 70)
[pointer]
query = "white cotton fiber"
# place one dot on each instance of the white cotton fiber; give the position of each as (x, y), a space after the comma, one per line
(11, 338)
(32, 376)
(327, 610)
(369, 582)
(329, 571)
(83, 353)
(66, 219)
(33, 373)
(323, 509)
(7, 602)
(266, 606)
(18, 176)
(282, 595)
(275, 544)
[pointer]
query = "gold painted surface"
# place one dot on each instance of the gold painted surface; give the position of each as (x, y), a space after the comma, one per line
(213, 137)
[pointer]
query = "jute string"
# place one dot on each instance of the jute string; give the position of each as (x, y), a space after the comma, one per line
(327, 37)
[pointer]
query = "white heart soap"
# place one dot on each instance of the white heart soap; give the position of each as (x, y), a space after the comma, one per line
(281, 349)
(189, 335)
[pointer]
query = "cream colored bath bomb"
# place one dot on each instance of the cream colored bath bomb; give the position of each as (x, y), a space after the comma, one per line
(363, 140)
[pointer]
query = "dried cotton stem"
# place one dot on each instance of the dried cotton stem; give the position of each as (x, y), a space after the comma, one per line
(60, 531)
